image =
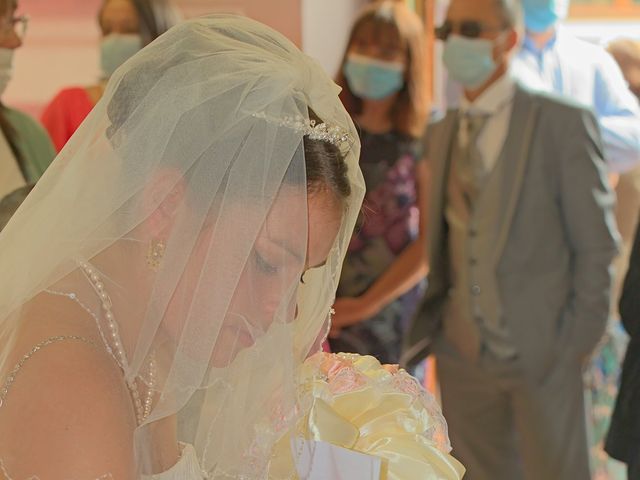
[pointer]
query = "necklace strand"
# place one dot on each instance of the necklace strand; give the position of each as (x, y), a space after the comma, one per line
(45, 343)
(142, 407)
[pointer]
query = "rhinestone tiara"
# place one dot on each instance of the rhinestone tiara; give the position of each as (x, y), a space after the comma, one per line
(333, 134)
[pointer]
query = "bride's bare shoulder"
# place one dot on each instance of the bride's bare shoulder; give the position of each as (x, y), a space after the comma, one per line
(66, 412)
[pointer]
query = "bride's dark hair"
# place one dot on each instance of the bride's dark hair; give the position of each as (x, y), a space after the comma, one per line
(325, 165)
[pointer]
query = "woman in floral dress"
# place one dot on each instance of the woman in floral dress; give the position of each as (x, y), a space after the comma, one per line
(384, 89)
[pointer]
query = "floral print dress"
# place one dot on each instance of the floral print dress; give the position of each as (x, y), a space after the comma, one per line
(390, 221)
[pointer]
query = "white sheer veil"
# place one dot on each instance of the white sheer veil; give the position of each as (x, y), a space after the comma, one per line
(179, 212)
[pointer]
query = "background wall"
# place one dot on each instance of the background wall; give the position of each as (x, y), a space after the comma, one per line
(325, 29)
(60, 49)
(61, 46)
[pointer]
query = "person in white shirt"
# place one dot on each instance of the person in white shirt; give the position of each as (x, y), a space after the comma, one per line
(520, 238)
(553, 60)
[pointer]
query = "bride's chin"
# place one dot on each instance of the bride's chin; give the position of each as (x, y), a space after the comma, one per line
(231, 341)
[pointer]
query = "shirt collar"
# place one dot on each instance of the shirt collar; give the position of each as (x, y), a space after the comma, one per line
(492, 99)
(530, 46)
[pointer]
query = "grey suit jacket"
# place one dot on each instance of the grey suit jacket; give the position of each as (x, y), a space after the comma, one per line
(556, 234)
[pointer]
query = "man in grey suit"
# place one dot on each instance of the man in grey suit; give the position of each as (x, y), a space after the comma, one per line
(521, 236)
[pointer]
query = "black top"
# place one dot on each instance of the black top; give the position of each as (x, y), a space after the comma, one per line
(623, 440)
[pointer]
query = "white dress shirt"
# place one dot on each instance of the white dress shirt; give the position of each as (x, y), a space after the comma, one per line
(587, 74)
(497, 103)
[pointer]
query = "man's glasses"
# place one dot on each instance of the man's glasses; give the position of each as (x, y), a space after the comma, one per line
(466, 28)
(15, 24)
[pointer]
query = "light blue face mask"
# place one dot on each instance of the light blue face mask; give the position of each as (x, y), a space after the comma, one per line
(373, 79)
(541, 15)
(469, 61)
(117, 48)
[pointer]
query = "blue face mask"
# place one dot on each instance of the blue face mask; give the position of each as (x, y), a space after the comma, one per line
(541, 15)
(373, 79)
(115, 49)
(469, 61)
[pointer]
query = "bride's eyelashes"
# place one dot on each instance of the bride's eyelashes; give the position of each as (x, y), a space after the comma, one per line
(263, 265)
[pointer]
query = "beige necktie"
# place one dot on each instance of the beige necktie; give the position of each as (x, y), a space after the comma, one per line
(470, 158)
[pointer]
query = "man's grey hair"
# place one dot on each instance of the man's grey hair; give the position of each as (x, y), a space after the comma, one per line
(511, 13)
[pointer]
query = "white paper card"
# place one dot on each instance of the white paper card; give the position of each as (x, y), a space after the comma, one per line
(324, 461)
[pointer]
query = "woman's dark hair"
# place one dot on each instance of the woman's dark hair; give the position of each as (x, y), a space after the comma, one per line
(156, 17)
(325, 165)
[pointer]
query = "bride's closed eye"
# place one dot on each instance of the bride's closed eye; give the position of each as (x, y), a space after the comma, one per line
(263, 265)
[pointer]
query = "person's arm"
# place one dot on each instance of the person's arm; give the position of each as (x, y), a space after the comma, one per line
(409, 268)
(618, 115)
(629, 306)
(587, 202)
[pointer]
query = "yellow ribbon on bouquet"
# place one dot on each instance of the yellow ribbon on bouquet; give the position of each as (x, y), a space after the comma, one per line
(386, 431)
(364, 411)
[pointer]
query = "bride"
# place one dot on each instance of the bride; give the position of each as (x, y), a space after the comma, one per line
(176, 264)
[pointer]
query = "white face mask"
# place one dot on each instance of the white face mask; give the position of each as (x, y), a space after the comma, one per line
(117, 48)
(6, 68)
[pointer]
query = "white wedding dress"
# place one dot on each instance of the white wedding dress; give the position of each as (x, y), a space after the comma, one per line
(187, 468)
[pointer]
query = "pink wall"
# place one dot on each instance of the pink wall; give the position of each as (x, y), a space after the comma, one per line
(61, 47)
(60, 8)
(283, 15)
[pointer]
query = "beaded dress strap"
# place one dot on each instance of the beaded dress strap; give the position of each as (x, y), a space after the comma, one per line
(45, 343)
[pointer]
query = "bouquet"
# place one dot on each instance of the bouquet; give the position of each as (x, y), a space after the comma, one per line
(355, 404)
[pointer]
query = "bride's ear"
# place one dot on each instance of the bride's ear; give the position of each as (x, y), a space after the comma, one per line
(163, 198)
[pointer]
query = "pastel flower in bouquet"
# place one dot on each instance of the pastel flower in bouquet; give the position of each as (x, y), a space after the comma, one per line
(355, 403)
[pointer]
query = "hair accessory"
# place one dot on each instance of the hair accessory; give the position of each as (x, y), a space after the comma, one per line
(333, 134)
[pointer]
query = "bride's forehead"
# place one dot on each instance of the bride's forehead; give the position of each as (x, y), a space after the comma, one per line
(305, 222)
(288, 219)
(293, 217)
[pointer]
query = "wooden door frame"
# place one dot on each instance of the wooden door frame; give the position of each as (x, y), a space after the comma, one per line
(620, 9)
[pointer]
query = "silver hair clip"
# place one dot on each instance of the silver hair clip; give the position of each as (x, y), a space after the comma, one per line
(335, 135)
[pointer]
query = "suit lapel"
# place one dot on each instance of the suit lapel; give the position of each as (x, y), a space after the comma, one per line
(440, 163)
(515, 156)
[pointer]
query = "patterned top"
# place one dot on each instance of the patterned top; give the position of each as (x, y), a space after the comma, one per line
(390, 223)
